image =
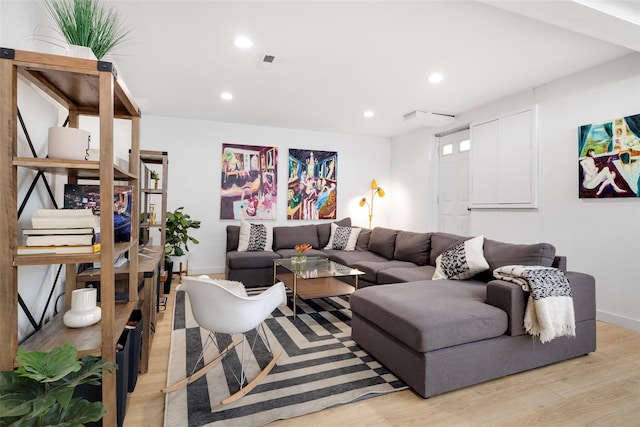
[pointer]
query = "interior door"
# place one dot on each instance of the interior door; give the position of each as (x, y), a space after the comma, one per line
(453, 183)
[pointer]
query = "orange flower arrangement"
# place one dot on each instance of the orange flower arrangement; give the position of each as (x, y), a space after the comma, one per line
(301, 249)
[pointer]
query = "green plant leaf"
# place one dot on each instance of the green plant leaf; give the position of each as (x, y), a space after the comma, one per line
(48, 367)
(76, 414)
(177, 235)
(39, 392)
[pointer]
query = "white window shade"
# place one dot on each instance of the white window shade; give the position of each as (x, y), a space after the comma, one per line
(504, 161)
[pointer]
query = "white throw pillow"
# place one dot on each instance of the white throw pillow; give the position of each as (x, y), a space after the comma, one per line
(343, 238)
(464, 260)
(255, 237)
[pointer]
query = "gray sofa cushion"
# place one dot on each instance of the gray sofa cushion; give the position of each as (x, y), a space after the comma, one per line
(413, 247)
(363, 240)
(457, 313)
(440, 242)
(399, 275)
(259, 259)
(371, 269)
(349, 258)
(288, 237)
(383, 241)
(499, 254)
(324, 231)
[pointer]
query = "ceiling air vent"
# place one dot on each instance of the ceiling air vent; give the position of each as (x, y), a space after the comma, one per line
(429, 119)
(267, 61)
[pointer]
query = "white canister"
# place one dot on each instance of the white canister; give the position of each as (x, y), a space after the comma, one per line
(84, 311)
(68, 143)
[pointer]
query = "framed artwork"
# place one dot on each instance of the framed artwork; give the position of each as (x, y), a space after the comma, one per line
(312, 188)
(609, 158)
(82, 196)
(248, 188)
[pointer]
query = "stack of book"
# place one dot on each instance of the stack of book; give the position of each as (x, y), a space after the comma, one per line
(62, 231)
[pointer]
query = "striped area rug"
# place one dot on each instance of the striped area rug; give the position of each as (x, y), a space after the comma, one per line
(321, 367)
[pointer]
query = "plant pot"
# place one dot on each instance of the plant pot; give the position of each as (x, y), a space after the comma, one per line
(84, 311)
(68, 143)
(80, 52)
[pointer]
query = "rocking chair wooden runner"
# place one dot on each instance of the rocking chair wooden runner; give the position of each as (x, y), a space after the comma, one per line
(225, 308)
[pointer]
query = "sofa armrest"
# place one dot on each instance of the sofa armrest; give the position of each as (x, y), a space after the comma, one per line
(510, 298)
(513, 300)
(560, 262)
(233, 236)
(583, 292)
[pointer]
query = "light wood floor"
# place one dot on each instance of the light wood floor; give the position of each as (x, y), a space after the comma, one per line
(601, 389)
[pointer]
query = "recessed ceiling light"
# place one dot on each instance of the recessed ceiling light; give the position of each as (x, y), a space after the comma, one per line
(227, 96)
(435, 78)
(368, 113)
(243, 42)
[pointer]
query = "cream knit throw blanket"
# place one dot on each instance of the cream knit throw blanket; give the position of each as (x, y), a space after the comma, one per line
(549, 312)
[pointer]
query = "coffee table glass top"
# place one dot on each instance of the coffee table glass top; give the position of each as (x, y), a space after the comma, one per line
(317, 267)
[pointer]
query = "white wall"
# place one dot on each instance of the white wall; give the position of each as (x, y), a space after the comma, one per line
(195, 148)
(414, 169)
(599, 237)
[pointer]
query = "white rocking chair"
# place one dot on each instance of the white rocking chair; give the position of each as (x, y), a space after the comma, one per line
(225, 308)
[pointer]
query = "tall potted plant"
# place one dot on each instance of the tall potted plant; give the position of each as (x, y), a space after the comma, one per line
(88, 23)
(40, 391)
(177, 238)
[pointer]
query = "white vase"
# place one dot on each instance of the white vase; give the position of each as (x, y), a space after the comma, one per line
(80, 52)
(84, 311)
(68, 143)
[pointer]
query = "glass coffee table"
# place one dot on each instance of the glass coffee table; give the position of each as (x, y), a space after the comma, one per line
(315, 277)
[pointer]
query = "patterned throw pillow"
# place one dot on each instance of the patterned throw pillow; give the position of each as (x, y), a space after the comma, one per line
(255, 237)
(463, 261)
(343, 238)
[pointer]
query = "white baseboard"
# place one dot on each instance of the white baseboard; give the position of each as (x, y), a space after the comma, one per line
(624, 322)
(206, 270)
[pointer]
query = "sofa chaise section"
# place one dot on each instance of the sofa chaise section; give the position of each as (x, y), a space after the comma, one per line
(460, 345)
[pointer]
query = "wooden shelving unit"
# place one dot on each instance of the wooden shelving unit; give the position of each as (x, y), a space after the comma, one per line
(149, 261)
(149, 193)
(84, 87)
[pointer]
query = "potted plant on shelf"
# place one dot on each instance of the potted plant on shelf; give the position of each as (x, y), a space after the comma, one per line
(88, 23)
(155, 176)
(177, 240)
(40, 391)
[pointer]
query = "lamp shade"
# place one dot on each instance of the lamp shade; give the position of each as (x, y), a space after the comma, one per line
(362, 201)
(374, 184)
(381, 192)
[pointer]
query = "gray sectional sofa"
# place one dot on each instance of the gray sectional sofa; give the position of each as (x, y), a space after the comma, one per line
(436, 335)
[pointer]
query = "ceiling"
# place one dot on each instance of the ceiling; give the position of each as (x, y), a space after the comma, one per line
(336, 59)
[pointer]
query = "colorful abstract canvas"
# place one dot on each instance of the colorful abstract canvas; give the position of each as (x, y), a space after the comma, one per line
(249, 187)
(609, 158)
(312, 190)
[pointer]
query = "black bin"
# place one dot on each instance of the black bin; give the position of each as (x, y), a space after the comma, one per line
(123, 351)
(93, 393)
(134, 326)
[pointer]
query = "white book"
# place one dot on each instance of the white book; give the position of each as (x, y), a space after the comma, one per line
(59, 231)
(68, 222)
(64, 213)
(60, 240)
(85, 249)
